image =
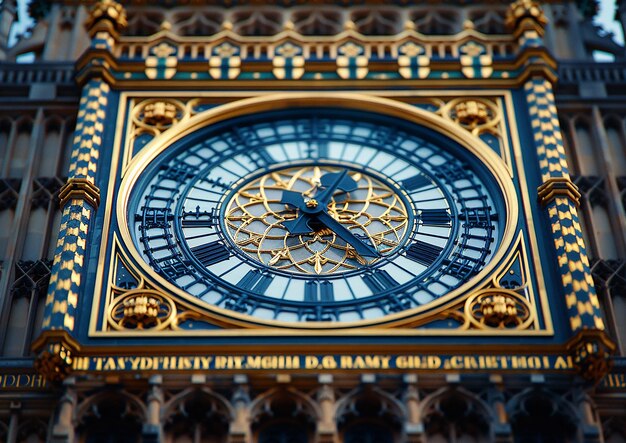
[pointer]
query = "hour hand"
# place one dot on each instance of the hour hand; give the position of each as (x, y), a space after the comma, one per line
(300, 225)
(293, 198)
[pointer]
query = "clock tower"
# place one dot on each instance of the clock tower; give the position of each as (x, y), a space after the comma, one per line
(320, 222)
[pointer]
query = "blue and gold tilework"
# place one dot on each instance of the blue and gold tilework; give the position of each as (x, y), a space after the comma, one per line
(68, 265)
(162, 63)
(413, 61)
(475, 62)
(546, 129)
(351, 61)
(225, 62)
(580, 296)
(103, 40)
(530, 39)
(288, 62)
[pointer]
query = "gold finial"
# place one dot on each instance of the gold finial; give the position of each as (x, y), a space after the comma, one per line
(409, 25)
(349, 25)
(289, 26)
(468, 24)
(166, 26)
(108, 13)
(227, 25)
(522, 10)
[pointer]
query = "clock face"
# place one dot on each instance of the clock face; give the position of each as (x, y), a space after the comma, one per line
(316, 215)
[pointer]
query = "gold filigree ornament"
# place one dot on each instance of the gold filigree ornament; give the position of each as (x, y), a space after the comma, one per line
(476, 115)
(142, 309)
(254, 214)
(498, 308)
(157, 115)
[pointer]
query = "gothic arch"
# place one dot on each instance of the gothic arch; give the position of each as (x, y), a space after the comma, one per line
(197, 412)
(284, 414)
(110, 413)
(369, 415)
(455, 414)
(539, 412)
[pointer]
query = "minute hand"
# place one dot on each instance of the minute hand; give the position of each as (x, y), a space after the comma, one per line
(340, 180)
(361, 248)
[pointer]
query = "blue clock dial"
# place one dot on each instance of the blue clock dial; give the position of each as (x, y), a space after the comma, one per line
(316, 216)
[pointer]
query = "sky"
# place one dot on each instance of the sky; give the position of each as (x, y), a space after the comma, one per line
(604, 18)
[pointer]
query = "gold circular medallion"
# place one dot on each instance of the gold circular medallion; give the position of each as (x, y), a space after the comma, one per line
(373, 212)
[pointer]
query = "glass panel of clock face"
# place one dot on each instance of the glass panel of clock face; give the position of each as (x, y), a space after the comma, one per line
(316, 216)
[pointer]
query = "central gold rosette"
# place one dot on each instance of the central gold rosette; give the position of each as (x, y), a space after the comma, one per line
(254, 214)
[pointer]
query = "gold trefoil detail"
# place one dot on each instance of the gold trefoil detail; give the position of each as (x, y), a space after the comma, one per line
(254, 216)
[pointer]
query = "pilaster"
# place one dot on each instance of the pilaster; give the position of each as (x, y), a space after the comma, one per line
(79, 200)
(590, 346)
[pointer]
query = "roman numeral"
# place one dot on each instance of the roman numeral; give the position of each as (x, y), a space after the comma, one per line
(174, 269)
(379, 280)
(452, 171)
(435, 217)
(478, 217)
(423, 253)
(416, 182)
(217, 183)
(211, 253)
(154, 217)
(179, 171)
(325, 293)
(462, 267)
(255, 281)
(199, 219)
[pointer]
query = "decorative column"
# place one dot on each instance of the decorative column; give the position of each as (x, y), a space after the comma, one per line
(152, 428)
(413, 427)
(79, 199)
(501, 426)
(589, 346)
(326, 425)
(63, 430)
(240, 426)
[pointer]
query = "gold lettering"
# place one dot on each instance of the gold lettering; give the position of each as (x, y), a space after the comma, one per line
(146, 363)
(471, 362)
(329, 362)
(253, 362)
(434, 362)
(9, 381)
(134, 363)
(534, 362)
(109, 365)
(237, 362)
(454, 362)
(311, 362)
(99, 363)
(184, 363)
(560, 363)
(221, 362)
(206, 362)
(384, 360)
(294, 362)
(519, 362)
(504, 362)
(345, 362)
(402, 362)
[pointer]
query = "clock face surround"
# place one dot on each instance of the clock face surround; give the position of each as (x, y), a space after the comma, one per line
(417, 220)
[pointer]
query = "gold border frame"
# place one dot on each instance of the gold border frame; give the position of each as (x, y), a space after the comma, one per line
(298, 100)
(233, 99)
